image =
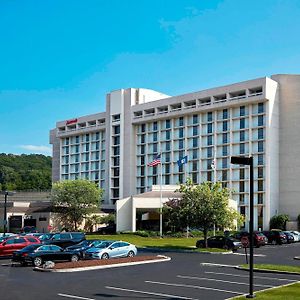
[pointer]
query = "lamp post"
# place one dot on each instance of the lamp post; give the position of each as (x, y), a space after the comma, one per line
(242, 160)
(5, 193)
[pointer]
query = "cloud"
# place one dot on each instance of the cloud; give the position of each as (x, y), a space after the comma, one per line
(37, 149)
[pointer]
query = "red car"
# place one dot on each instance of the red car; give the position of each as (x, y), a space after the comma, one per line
(8, 246)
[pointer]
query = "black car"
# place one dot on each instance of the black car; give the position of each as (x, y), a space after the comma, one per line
(227, 243)
(38, 254)
(84, 245)
(66, 239)
(109, 229)
(275, 237)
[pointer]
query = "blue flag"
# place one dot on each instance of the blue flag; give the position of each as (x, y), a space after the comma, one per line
(182, 161)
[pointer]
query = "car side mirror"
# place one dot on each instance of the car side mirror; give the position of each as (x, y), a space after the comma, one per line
(110, 248)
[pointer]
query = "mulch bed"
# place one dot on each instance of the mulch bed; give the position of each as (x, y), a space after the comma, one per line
(102, 262)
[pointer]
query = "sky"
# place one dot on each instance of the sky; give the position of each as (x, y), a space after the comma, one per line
(59, 58)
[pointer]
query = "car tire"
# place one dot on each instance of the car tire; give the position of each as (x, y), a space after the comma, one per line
(37, 261)
(74, 258)
(130, 254)
(104, 256)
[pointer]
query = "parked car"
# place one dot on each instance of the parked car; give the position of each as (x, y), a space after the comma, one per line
(289, 237)
(275, 237)
(46, 236)
(66, 239)
(227, 243)
(8, 246)
(38, 254)
(111, 249)
(259, 238)
(28, 229)
(296, 235)
(109, 229)
(84, 245)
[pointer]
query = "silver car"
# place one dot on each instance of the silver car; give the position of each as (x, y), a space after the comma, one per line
(111, 249)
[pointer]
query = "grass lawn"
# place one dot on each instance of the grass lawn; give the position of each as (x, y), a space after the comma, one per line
(156, 242)
(276, 268)
(290, 292)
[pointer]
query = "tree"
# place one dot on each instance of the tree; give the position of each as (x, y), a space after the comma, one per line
(202, 206)
(279, 222)
(74, 200)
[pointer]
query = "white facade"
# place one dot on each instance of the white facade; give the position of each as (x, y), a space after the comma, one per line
(256, 117)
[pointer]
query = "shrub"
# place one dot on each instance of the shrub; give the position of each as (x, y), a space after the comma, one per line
(279, 222)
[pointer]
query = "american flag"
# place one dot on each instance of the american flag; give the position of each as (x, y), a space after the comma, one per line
(156, 161)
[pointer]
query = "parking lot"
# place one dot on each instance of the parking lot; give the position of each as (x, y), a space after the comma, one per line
(187, 276)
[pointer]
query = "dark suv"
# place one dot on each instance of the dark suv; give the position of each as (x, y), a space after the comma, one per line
(275, 237)
(66, 239)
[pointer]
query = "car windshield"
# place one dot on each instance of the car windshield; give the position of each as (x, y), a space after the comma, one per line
(30, 247)
(103, 244)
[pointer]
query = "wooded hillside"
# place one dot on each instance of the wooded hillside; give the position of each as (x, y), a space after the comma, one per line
(25, 172)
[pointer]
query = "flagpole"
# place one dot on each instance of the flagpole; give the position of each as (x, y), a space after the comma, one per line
(215, 177)
(160, 213)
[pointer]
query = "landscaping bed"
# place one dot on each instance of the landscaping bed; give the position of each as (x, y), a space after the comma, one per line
(104, 262)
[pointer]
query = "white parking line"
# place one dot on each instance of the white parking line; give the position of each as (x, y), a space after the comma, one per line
(217, 265)
(220, 280)
(247, 276)
(194, 287)
(150, 293)
(255, 255)
(74, 297)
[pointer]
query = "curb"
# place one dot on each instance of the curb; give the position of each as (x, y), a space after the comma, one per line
(267, 271)
(145, 249)
(165, 259)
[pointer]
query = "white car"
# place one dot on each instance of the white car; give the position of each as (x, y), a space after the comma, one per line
(296, 235)
(111, 249)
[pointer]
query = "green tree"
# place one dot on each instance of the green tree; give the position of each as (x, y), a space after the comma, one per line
(279, 222)
(202, 206)
(75, 200)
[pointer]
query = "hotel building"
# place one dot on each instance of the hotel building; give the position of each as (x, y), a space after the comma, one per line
(258, 117)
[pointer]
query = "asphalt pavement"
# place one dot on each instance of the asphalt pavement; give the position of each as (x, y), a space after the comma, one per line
(187, 276)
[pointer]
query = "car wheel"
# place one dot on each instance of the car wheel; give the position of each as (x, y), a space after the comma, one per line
(37, 261)
(105, 256)
(130, 254)
(74, 258)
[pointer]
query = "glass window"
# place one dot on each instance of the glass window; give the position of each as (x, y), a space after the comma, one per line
(195, 130)
(242, 173)
(195, 119)
(260, 185)
(143, 128)
(155, 137)
(209, 116)
(209, 140)
(167, 179)
(225, 125)
(225, 138)
(168, 135)
(260, 146)
(77, 139)
(181, 121)
(180, 144)
(168, 157)
(260, 159)
(261, 108)
(242, 136)
(242, 111)
(154, 126)
(242, 199)
(260, 133)
(168, 124)
(242, 148)
(224, 162)
(195, 142)
(260, 120)
(242, 123)
(225, 113)
(195, 154)
(260, 198)
(195, 166)
(117, 129)
(154, 148)
(224, 175)
(208, 176)
(209, 152)
(260, 172)
(181, 132)
(20, 241)
(209, 128)
(208, 164)
(167, 168)
(195, 177)
(241, 186)
(224, 150)
(168, 146)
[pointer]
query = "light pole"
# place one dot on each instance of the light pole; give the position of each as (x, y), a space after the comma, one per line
(5, 193)
(242, 160)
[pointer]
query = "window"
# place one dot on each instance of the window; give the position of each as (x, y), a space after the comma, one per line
(260, 120)
(195, 119)
(87, 137)
(181, 132)
(195, 154)
(260, 133)
(168, 146)
(242, 148)
(209, 152)
(168, 135)
(77, 139)
(195, 177)
(242, 136)
(143, 128)
(154, 148)
(181, 122)
(261, 108)
(242, 111)
(260, 198)
(208, 176)
(225, 113)
(209, 128)
(224, 150)
(208, 164)
(225, 125)
(155, 137)
(241, 187)
(242, 199)
(167, 168)
(260, 159)
(168, 157)
(154, 126)
(242, 173)
(20, 241)
(260, 172)
(209, 140)
(116, 140)
(195, 130)
(167, 179)
(209, 116)
(224, 163)
(195, 166)
(195, 142)
(260, 185)
(87, 147)
(117, 129)
(142, 149)
(143, 138)
(225, 138)
(224, 175)
(168, 124)
(242, 123)
(180, 144)
(260, 146)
